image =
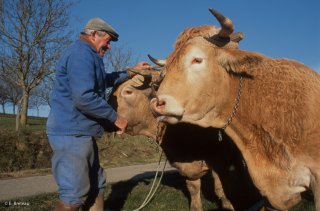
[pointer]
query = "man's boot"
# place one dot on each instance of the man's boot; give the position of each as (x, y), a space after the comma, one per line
(60, 206)
(97, 205)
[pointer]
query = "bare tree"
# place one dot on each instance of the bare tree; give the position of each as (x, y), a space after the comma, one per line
(10, 93)
(45, 89)
(40, 96)
(4, 95)
(33, 33)
(14, 96)
(36, 102)
(118, 58)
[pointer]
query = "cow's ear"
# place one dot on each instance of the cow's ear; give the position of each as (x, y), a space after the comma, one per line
(237, 61)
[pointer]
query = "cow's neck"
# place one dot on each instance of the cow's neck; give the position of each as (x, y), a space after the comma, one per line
(251, 138)
(235, 107)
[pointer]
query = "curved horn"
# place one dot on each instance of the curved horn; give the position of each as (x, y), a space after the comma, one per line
(144, 73)
(156, 76)
(237, 37)
(227, 26)
(159, 62)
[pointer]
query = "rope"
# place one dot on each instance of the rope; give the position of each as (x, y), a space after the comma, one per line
(152, 190)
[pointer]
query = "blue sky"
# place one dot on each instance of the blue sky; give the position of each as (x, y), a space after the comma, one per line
(275, 28)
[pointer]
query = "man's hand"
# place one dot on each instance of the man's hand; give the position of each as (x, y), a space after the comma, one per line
(139, 66)
(121, 123)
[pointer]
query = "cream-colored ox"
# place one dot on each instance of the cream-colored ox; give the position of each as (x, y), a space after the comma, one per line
(191, 149)
(269, 107)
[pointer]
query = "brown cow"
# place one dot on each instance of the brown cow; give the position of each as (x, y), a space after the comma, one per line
(269, 107)
(190, 149)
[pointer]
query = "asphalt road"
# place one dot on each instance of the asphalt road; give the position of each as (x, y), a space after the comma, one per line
(30, 186)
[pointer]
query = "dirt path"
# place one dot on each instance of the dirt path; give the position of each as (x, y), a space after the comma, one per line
(29, 186)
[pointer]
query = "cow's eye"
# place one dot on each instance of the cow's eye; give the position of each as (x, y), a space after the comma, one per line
(128, 92)
(196, 60)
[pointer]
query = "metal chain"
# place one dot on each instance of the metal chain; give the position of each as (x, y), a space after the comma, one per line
(234, 110)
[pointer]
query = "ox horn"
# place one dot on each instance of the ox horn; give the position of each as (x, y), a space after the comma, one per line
(227, 26)
(144, 73)
(155, 75)
(159, 62)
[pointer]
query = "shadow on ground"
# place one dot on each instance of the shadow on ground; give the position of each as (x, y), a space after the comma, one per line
(120, 191)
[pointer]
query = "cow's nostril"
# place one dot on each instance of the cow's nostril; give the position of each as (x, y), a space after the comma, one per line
(157, 105)
(161, 103)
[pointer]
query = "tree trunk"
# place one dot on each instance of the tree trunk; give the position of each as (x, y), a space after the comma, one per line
(3, 109)
(24, 109)
(18, 120)
(18, 115)
(14, 108)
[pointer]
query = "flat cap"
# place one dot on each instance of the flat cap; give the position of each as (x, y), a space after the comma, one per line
(100, 25)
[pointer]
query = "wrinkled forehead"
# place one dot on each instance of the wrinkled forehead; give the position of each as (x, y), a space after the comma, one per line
(197, 45)
(200, 34)
(198, 31)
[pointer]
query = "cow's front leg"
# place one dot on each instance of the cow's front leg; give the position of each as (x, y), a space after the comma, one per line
(218, 189)
(194, 190)
(315, 186)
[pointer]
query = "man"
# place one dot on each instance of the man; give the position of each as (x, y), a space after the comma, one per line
(78, 110)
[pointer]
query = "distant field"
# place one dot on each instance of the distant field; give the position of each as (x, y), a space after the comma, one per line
(8, 121)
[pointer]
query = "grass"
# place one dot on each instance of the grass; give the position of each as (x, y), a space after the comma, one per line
(27, 150)
(128, 195)
(29, 153)
(8, 121)
(116, 151)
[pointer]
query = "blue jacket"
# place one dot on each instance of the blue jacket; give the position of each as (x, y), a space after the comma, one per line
(78, 104)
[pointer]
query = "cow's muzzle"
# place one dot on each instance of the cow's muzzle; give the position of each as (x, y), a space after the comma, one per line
(164, 112)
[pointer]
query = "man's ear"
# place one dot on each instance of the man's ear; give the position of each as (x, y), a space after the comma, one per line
(93, 35)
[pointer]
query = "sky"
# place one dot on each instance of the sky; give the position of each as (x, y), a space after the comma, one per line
(275, 28)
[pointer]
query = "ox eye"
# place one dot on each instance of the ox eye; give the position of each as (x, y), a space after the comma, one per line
(197, 60)
(128, 92)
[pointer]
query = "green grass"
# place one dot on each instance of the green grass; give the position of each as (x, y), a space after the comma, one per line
(127, 195)
(172, 195)
(8, 121)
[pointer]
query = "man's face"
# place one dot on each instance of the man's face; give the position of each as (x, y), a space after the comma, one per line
(101, 41)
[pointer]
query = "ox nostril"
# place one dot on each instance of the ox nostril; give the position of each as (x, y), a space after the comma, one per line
(161, 103)
(157, 105)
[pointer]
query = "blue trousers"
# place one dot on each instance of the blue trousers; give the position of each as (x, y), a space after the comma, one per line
(76, 168)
